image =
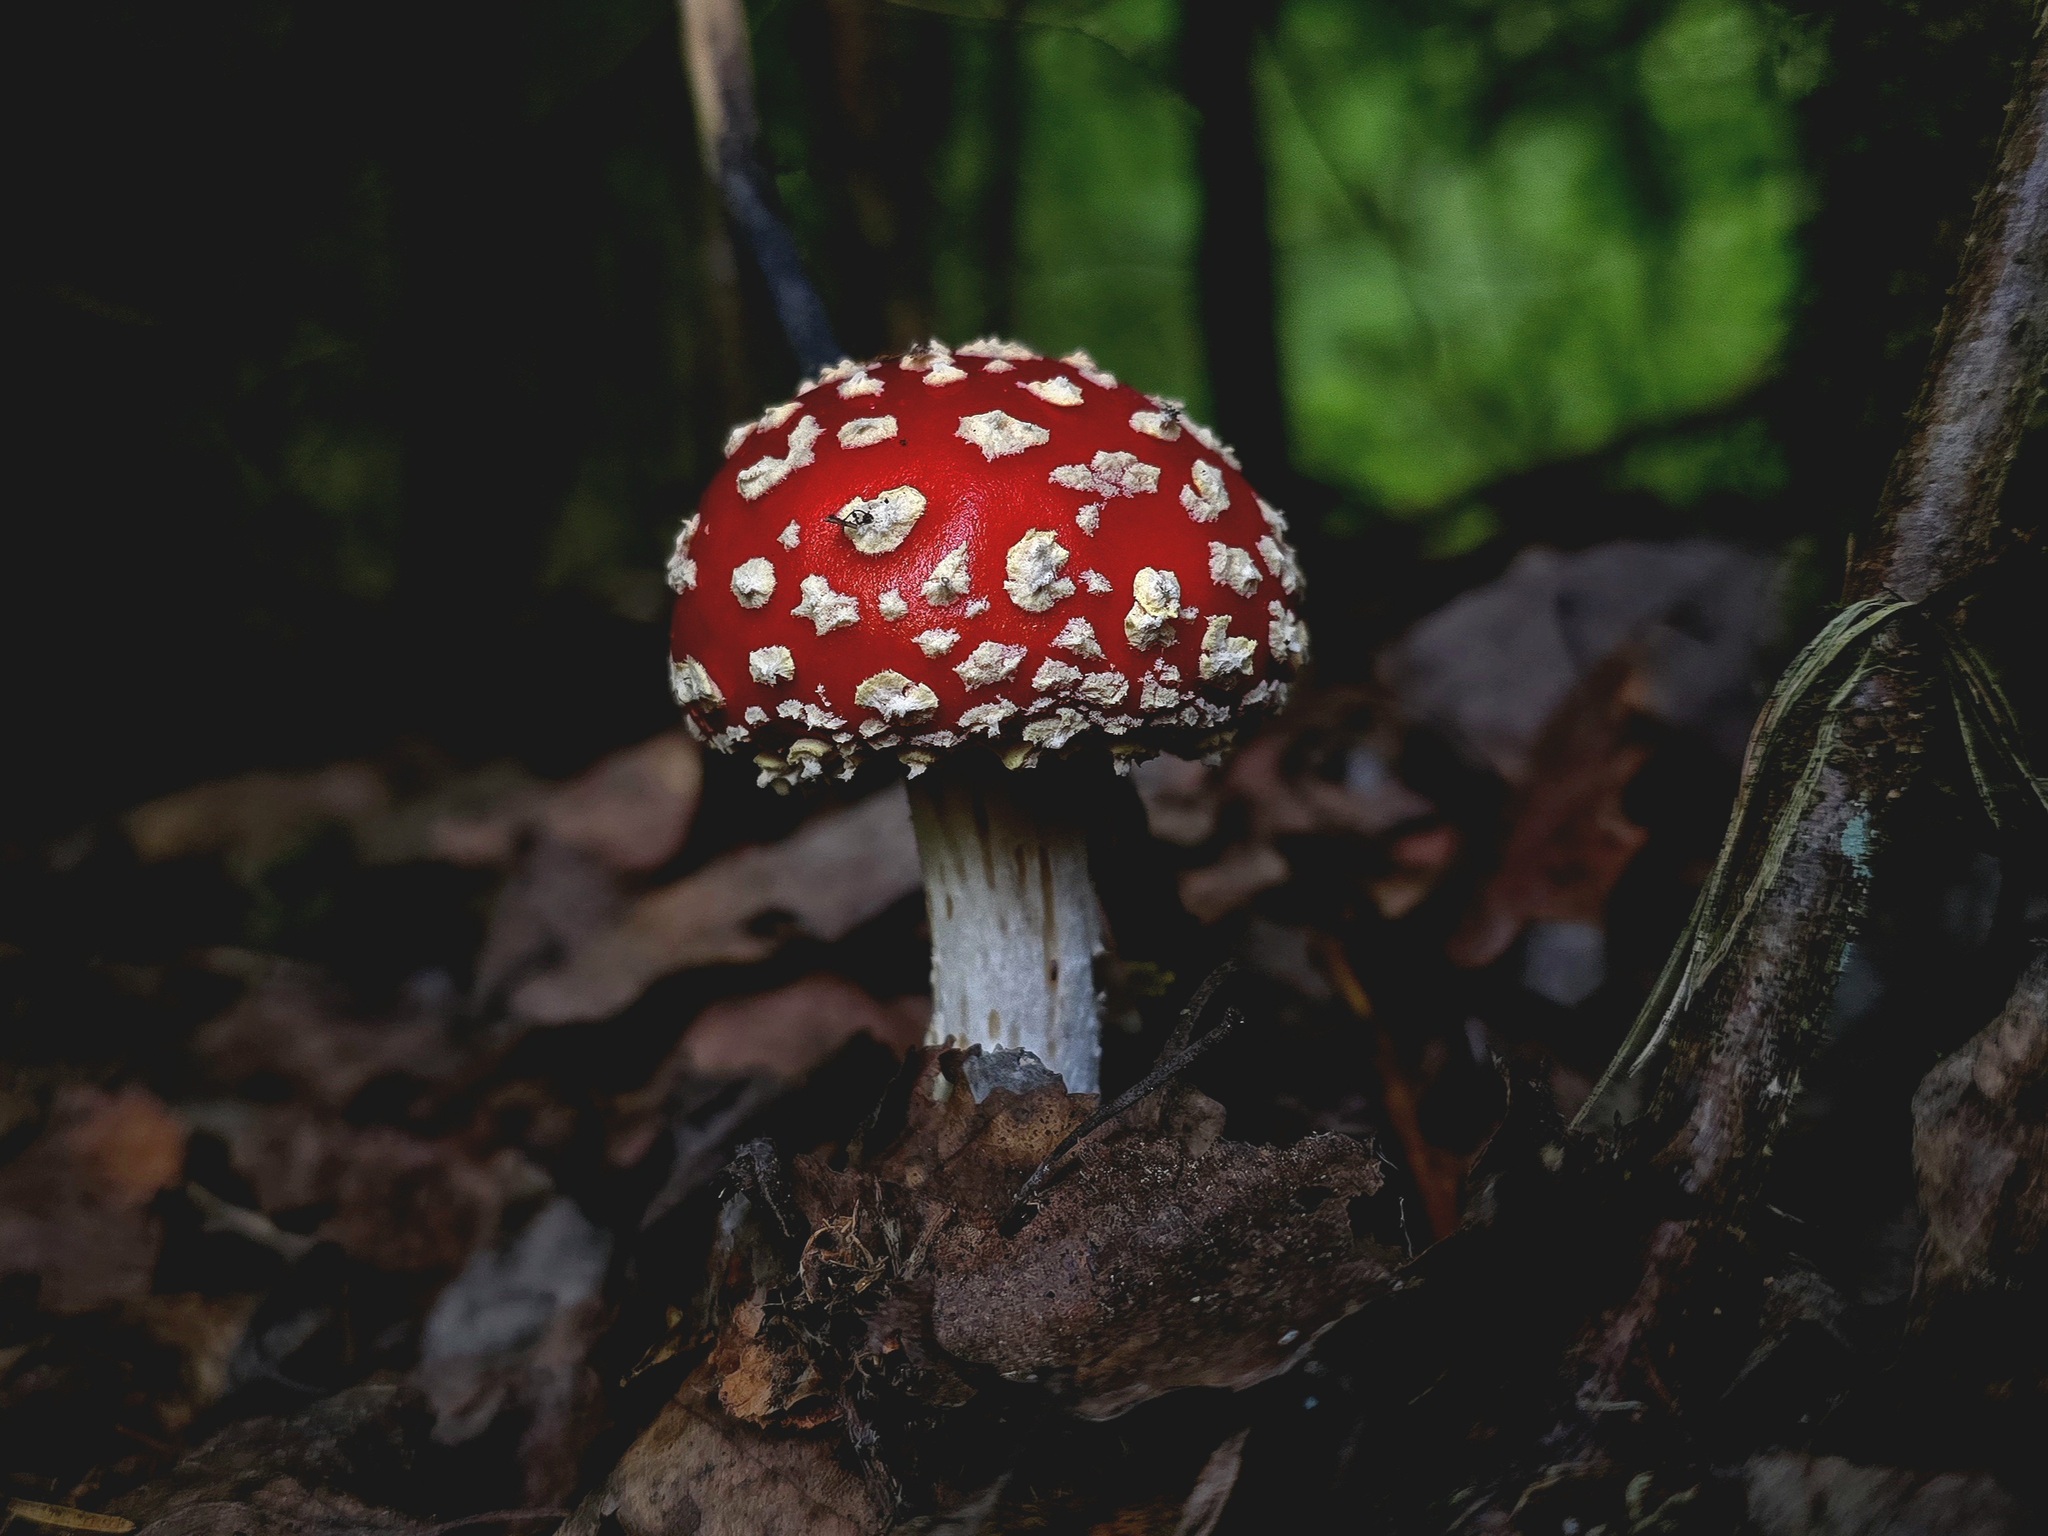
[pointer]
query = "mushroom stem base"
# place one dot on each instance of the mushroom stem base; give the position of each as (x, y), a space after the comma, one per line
(1015, 924)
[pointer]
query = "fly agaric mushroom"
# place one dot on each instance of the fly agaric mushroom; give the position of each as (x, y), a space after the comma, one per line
(968, 559)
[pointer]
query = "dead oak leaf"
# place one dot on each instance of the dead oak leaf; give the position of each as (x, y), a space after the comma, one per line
(832, 874)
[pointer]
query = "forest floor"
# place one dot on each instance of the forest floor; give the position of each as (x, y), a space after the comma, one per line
(407, 1146)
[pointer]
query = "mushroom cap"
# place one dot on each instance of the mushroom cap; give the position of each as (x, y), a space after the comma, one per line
(977, 549)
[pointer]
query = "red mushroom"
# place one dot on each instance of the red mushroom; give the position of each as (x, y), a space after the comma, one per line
(967, 559)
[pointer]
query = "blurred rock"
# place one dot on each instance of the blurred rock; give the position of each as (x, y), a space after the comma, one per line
(513, 1331)
(1491, 667)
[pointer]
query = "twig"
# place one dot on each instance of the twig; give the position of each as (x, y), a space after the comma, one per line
(1175, 1057)
(719, 63)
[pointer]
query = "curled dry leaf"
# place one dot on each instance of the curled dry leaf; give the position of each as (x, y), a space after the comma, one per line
(832, 874)
(290, 1026)
(787, 1032)
(629, 811)
(1210, 1496)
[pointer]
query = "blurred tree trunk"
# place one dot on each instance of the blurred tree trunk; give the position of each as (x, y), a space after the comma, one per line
(1234, 259)
(1005, 162)
(880, 83)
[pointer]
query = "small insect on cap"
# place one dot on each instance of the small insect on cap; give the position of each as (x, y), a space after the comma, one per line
(977, 548)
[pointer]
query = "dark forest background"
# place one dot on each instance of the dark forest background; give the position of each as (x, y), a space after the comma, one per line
(395, 1005)
(369, 354)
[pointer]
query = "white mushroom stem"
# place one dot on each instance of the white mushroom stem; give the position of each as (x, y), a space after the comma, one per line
(1016, 927)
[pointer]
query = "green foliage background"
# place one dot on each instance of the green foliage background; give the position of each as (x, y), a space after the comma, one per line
(374, 351)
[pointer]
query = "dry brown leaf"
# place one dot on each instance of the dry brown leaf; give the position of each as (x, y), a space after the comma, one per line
(632, 809)
(557, 900)
(204, 1331)
(401, 1203)
(334, 1470)
(1419, 860)
(629, 811)
(1220, 888)
(288, 1025)
(75, 1205)
(697, 1472)
(1570, 839)
(1284, 801)
(1980, 1147)
(763, 1378)
(781, 1034)
(832, 874)
(249, 821)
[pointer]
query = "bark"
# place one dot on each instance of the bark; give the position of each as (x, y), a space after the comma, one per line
(1937, 521)
(1938, 526)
